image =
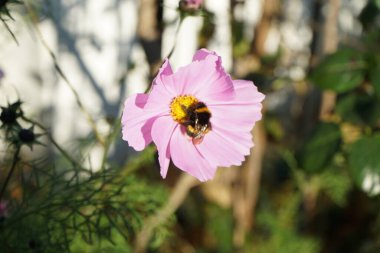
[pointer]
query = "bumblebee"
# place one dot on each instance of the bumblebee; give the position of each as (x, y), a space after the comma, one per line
(197, 121)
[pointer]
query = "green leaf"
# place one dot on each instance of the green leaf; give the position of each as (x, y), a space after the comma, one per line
(368, 108)
(346, 108)
(375, 79)
(369, 13)
(364, 160)
(321, 147)
(340, 72)
(377, 3)
(374, 75)
(359, 108)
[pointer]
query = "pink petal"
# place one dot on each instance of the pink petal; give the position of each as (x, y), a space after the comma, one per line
(159, 99)
(215, 89)
(203, 53)
(137, 122)
(232, 121)
(241, 112)
(187, 158)
(164, 79)
(222, 87)
(204, 78)
(247, 91)
(238, 139)
(222, 150)
(162, 131)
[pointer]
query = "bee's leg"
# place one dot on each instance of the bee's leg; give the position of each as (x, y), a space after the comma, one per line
(186, 123)
(190, 131)
(184, 108)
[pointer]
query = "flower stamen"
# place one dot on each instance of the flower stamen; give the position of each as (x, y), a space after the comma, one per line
(193, 115)
(179, 106)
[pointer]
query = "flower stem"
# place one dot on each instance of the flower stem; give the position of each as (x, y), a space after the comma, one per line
(114, 132)
(10, 173)
(60, 149)
(9, 30)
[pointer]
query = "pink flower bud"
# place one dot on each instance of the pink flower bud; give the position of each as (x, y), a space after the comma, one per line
(3, 208)
(190, 4)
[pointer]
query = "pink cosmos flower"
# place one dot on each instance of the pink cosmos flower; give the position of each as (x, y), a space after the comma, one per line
(198, 117)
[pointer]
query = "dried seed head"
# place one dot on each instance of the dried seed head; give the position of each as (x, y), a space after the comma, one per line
(26, 136)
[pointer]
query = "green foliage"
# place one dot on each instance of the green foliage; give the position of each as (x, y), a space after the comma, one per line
(335, 184)
(208, 28)
(346, 108)
(118, 245)
(277, 230)
(241, 46)
(362, 106)
(377, 3)
(341, 71)
(355, 75)
(374, 74)
(332, 181)
(273, 127)
(76, 204)
(364, 158)
(320, 147)
(220, 226)
(368, 15)
(55, 204)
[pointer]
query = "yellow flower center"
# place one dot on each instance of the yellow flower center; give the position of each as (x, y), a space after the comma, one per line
(180, 105)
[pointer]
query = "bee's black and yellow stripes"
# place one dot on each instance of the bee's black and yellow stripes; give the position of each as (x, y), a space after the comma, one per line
(198, 120)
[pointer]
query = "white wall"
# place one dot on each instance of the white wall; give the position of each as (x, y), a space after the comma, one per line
(94, 42)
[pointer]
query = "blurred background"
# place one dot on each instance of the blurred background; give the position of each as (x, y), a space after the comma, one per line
(70, 184)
